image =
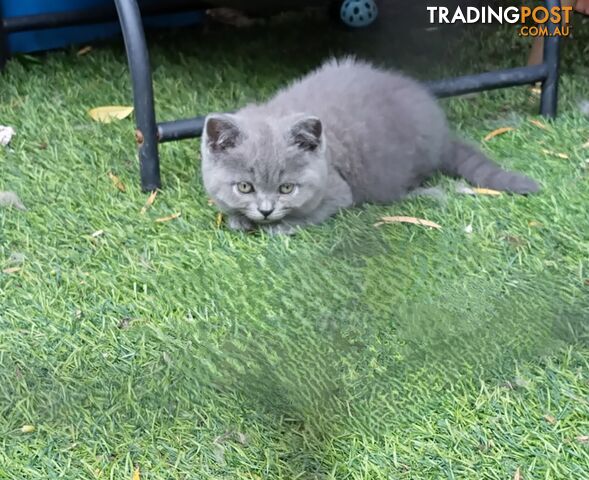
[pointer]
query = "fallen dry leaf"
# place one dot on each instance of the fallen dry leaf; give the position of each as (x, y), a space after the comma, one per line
(27, 428)
(539, 124)
(499, 131)
(468, 229)
(224, 437)
(486, 191)
(467, 190)
(124, 323)
(168, 218)
(149, 201)
(412, 220)
(116, 181)
(85, 50)
(550, 419)
(534, 223)
(136, 474)
(11, 270)
(220, 439)
(10, 199)
(218, 219)
(97, 233)
(556, 154)
(517, 382)
(231, 16)
(16, 258)
(210, 202)
(219, 453)
(517, 475)
(536, 91)
(109, 113)
(514, 240)
(166, 358)
(583, 438)
(585, 145)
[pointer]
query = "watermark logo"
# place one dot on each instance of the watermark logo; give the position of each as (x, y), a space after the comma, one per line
(532, 21)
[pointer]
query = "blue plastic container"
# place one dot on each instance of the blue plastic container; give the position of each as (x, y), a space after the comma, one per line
(61, 37)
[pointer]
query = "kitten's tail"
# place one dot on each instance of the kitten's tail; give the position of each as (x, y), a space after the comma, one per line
(467, 161)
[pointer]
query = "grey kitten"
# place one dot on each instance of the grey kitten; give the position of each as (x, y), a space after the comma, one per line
(346, 134)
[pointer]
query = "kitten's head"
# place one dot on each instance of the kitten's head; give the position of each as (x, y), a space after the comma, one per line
(264, 169)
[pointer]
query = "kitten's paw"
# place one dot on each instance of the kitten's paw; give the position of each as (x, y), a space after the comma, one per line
(522, 184)
(239, 222)
(279, 229)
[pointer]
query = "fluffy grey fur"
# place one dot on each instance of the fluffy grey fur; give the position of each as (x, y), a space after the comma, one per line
(346, 134)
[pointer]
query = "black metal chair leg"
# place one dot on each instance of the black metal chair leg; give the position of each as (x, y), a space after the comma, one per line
(138, 58)
(549, 100)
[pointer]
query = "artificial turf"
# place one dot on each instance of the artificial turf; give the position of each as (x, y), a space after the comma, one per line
(181, 350)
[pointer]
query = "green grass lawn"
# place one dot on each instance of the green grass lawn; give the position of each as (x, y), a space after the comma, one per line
(344, 352)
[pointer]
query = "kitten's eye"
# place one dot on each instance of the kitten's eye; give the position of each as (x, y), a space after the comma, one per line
(245, 187)
(286, 188)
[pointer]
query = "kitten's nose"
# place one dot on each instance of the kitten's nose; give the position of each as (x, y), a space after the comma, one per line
(265, 212)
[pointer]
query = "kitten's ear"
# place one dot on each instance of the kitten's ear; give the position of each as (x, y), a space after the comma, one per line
(221, 132)
(307, 133)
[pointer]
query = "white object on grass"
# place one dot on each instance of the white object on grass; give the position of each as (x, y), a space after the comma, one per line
(465, 189)
(6, 134)
(10, 199)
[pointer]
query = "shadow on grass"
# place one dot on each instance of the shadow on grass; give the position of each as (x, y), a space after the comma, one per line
(356, 371)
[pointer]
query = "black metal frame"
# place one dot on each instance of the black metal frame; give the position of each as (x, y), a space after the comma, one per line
(547, 73)
(149, 133)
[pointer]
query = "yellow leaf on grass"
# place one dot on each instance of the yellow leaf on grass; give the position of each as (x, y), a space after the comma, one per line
(109, 113)
(168, 218)
(116, 181)
(412, 220)
(136, 474)
(539, 124)
(27, 428)
(486, 191)
(550, 419)
(556, 154)
(499, 131)
(218, 219)
(583, 438)
(11, 270)
(517, 475)
(85, 50)
(149, 201)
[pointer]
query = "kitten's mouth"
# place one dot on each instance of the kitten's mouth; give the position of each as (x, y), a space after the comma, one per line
(265, 221)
